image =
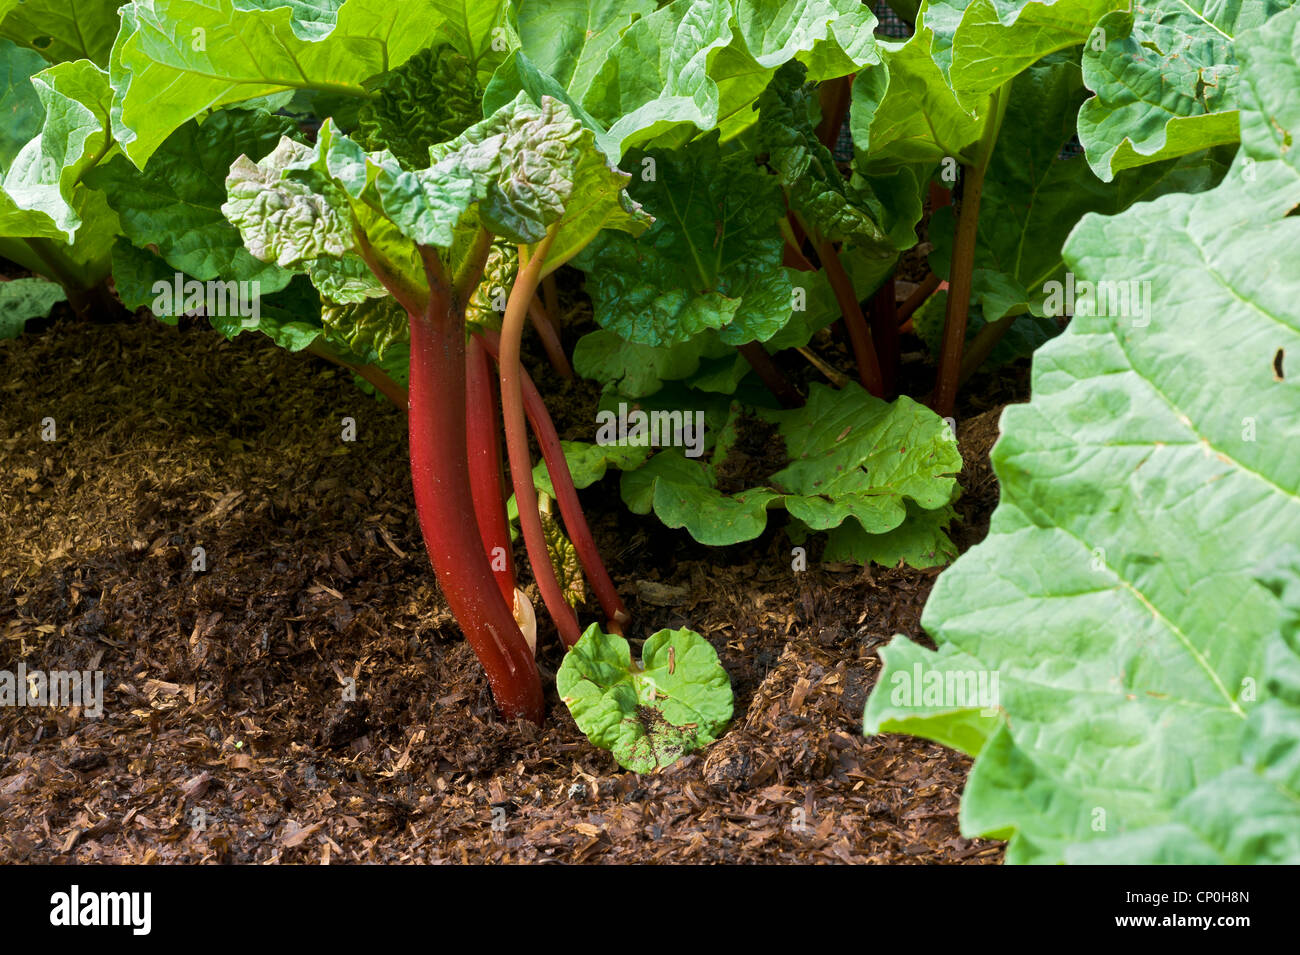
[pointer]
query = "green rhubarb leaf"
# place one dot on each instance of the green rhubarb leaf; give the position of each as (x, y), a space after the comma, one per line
(478, 30)
(906, 112)
(831, 38)
(569, 40)
(641, 370)
(175, 59)
(818, 191)
(1143, 491)
(649, 714)
(62, 29)
(136, 275)
(283, 220)
(175, 204)
(1251, 813)
(712, 260)
(431, 98)
(995, 40)
(1165, 76)
(920, 541)
(850, 456)
(537, 169)
(19, 103)
(21, 300)
(42, 191)
(372, 329)
(1033, 198)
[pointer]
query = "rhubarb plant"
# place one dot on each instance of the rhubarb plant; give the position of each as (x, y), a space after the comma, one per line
(1130, 613)
(530, 175)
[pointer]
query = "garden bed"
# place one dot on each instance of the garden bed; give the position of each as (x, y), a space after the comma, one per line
(225, 735)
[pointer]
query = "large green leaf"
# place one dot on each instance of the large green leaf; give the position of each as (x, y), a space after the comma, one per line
(1144, 488)
(1032, 197)
(712, 260)
(569, 39)
(1251, 813)
(905, 112)
(994, 40)
(62, 29)
(42, 194)
(851, 456)
(1166, 80)
(174, 59)
(697, 65)
(174, 205)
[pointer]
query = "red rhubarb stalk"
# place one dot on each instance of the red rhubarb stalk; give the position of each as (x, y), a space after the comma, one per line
(521, 465)
(864, 353)
(485, 466)
(575, 521)
(961, 271)
(546, 331)
(884, 333)
(444, 502)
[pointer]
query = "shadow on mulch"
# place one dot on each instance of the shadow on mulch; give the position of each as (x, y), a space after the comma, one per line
(230, 732)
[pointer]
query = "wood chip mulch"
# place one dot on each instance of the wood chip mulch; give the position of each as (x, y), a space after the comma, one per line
(308, 699)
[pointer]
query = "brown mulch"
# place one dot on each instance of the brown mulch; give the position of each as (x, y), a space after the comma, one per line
(307, 698)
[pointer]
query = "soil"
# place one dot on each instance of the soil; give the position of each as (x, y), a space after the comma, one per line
(305, 697)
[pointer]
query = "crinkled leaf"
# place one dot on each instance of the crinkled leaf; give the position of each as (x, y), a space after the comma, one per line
(431, 98)
(675, 700)
(538, 168)
(175, 204)
(818, 191)
(371, 329)
(711, 260)
(1165, 79)
(283, 220)
(1143, 488)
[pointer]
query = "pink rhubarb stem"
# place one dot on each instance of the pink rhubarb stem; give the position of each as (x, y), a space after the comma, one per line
(485, 476)
(521, 465)
(566, 495)
(546, 331)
